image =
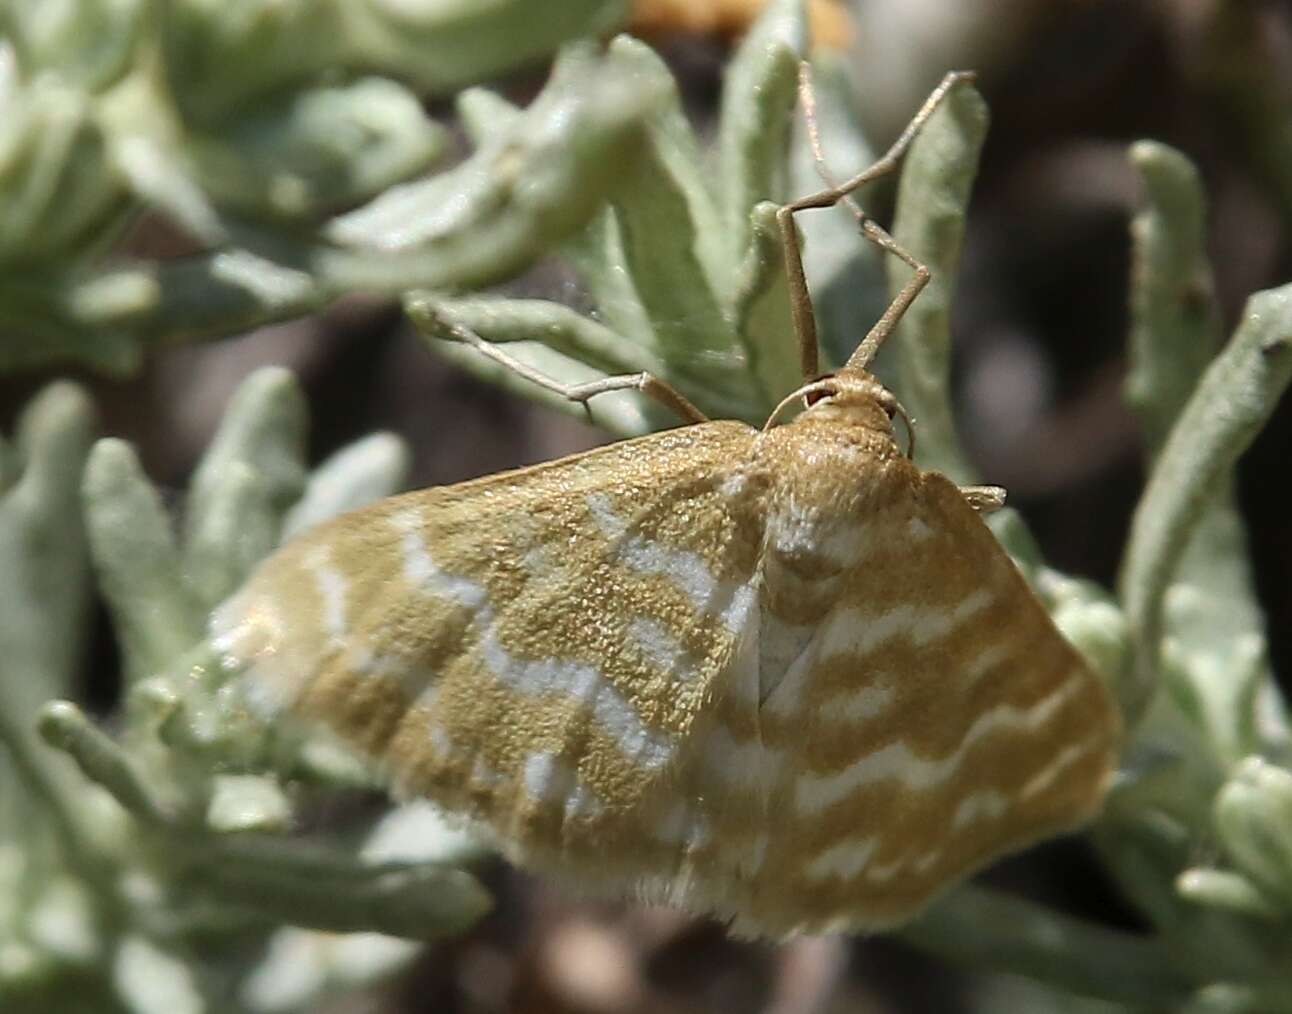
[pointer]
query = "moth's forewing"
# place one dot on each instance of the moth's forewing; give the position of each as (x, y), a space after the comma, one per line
(529, 649)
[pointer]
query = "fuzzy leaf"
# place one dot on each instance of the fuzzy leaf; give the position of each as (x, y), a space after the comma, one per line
(44, 567)
(419, 901)
(679, 162)
(932, 202)
(758, 94)
(1214, 652)
(248, 479)
(357, 474)
(88, 43)
(1227, 409)
(59, 190)
(223, 58)
(1254, 821)
(1175, 327)
(138, 563)
(319, 150)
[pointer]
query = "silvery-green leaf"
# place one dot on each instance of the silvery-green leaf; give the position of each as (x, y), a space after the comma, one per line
(1254, 820)
(60, 192)
(420, 832)
(757, 97)
(248, 479)
(44, 566)
(225, 55)
(318, 150)
(86, 42)
(1230, 404)
(247, 803)
(1214, 653)
(368, 469)
(152, 981)
(300, 967)
(932, 203)
(137, 561)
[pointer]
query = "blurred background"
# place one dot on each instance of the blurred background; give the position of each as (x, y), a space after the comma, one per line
(1039, 326)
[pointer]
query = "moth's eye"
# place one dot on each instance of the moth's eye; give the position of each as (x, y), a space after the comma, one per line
(820, 394)
(884, 397)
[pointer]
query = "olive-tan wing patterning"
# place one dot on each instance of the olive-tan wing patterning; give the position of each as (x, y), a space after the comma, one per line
(930, 717)
(529, 649)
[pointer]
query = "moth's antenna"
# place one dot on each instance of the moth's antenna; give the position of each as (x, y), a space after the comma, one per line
(835, 193)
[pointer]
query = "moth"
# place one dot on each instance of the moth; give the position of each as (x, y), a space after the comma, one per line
(780, 676)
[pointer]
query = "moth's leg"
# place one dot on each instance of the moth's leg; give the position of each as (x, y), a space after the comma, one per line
(984, 499)
(646, 383)
(800, 300)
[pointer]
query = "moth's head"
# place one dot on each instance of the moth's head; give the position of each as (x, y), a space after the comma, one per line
(855, 398)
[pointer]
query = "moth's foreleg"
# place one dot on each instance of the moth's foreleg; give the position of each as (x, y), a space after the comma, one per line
(647, 383)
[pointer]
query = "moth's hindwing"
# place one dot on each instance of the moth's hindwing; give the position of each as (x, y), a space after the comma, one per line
(530, 649)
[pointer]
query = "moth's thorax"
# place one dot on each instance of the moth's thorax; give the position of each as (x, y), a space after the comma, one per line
(824, 495)
(825, 459)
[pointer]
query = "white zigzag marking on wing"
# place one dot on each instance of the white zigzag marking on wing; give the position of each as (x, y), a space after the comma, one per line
(246, 633)
(1063, 760)
(815, 793)
(734, 485)
(750, 863)
(744, 600)
(844, 860)
(917, 530)
(986, 804)
(583, 683)
(661, 648)
(549, 779)
(236, 621)
(441, 742)
(797, 530)
(689, 571)
(984, 662)
(363, 660)
(579, 681)
(855, 631)
(882, 873)
(331, 585)
(428, 696)
(421, 572)
(861, 704)
(483, 774)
